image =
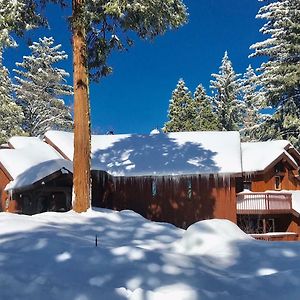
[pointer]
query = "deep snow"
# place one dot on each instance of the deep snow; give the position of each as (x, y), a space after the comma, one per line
(53, 256)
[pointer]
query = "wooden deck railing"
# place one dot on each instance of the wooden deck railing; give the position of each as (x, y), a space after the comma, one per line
(264, 203)
(276, 236)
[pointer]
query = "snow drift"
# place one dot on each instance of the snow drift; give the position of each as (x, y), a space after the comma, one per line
(53, 256)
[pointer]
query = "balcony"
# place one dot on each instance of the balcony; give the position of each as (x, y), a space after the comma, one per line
(264, 203)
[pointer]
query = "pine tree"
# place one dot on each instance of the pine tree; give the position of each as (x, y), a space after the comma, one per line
(254, 102)
(280, 75)
(40, 84)
(180, 113)
(229, 109)
(98, 28)
(17, 16)
(11, 114)
(205, 119)
(284, 124)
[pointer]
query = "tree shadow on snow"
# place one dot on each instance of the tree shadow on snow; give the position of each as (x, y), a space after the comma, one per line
(59, 260)
(158, 154)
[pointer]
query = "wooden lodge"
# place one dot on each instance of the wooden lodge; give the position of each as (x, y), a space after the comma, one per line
(34, 178)
(180, 178)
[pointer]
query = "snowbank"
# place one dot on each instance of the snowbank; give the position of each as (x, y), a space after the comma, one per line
(53, 256)
(212, 237)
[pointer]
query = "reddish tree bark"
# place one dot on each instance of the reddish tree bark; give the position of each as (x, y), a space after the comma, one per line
(82, 133)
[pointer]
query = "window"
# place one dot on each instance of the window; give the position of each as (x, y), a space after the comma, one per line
(189, 190)
(270, 225)
(278, 183)
(247, 185)
(266, 225)
(154, 188)
(279, 168)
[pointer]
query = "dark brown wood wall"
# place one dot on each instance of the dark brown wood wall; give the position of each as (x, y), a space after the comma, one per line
(58, 186)
(173, 203)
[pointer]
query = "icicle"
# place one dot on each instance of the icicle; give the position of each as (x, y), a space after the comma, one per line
(115, 181)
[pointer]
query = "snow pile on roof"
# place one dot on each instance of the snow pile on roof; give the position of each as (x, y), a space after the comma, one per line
(18, 142)
(53, 256)
(212, 237)
(63, 141)
(257, 156)
(32, 160)
(154, 131)
(181, 153)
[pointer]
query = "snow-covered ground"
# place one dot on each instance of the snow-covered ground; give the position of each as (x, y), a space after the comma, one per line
(53, 256)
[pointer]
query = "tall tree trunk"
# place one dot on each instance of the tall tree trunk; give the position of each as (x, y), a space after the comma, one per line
(82, 133)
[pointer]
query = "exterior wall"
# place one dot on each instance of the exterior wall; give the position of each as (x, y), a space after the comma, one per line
(13, 206)
(266, 181)
(294, 225)
(4, 180)
(181, 201)
(262, 182)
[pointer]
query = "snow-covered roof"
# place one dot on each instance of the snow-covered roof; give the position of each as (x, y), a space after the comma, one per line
(257, 156)
(181, 153)
(18, 142)
(30, 161)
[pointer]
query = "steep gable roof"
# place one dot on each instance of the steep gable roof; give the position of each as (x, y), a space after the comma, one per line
(259, 156)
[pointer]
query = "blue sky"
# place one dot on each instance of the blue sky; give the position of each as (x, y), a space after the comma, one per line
(135, 98)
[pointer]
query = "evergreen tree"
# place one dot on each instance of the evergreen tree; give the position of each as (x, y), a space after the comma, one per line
(254, 102)
(180, 113)
(98, 28)
(40, 84)
(229, 109)
(283, 124)
(17, 16)
(280, 75)
(11, 114)
(204, 118)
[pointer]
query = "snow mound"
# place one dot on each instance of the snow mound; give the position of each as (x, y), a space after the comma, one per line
(53, 256)
(211, 237)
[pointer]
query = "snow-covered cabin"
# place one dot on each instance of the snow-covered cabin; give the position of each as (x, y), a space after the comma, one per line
(177, 177)
(34, 177)
(270, 174)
